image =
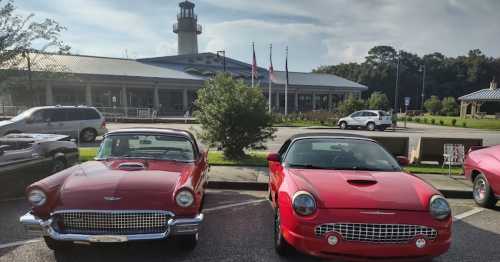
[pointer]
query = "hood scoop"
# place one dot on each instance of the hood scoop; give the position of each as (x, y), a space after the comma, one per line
(131, 166)
(362, 182)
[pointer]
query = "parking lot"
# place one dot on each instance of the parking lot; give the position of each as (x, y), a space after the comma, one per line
(237, 227)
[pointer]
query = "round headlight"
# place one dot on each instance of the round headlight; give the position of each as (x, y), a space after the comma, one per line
(184, 198)
(304, 203)
(439, 207)
(37, 197)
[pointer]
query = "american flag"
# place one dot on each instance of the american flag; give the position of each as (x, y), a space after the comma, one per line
(254, 64)
(271, 69)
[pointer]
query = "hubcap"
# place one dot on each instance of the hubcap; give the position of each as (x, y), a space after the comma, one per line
(371, 126)
(480, 189)
(88, 135)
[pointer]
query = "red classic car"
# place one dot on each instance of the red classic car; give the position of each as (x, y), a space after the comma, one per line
(144, 184)
(482, 167)
(338, 195)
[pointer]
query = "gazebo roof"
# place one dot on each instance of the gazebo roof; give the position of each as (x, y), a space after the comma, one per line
(482, 95)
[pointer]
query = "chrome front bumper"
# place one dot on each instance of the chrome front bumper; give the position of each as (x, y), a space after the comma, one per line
(181, 226)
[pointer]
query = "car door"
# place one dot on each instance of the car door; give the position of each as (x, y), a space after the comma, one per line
(370, 117)
(276, 170)
(58, 121)
(38, 122)
(356, 119)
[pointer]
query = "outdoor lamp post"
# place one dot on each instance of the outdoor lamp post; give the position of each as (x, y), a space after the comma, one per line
(223, 52)
(396, 91)
(26, 54)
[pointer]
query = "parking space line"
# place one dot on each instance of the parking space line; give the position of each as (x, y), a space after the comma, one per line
(467, 214)
(20, 243)
(11, 199)
(206, 210)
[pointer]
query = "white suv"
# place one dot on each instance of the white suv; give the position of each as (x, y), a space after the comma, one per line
(369, 119)
(85, 123)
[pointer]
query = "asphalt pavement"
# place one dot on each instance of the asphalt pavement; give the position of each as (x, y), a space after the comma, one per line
(238, 227)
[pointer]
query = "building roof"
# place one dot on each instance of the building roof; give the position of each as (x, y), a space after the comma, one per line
(185, 67)
(482, 95)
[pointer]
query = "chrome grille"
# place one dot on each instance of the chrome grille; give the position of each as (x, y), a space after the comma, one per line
(112, 222)
(377, 233)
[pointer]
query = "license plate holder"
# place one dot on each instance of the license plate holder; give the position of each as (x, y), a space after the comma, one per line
(108, 239)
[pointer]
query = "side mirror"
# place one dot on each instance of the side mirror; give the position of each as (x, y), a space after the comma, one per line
(403, 161)
(273, 157)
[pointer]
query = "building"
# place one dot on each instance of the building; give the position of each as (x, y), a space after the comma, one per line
(166, 85)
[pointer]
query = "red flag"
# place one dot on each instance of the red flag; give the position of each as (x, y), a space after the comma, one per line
(254, 63)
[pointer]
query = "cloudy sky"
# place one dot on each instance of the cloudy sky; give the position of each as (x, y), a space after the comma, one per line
(318, 32)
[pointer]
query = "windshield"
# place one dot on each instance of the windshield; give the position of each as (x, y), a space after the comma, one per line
(23, 115)
(340, 154)
(161, 147)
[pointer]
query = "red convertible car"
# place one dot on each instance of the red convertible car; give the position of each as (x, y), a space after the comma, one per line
(345, 196)
(482, 167)
(144, 184)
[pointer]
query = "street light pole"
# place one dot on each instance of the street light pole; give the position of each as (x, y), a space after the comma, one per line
(223, 52)
(423, 70)
(396, 91)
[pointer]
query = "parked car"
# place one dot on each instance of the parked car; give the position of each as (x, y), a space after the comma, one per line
(84, 123)
(369, 119)
(26, 158)
(482, 168)
(338, 195)
(145, 184)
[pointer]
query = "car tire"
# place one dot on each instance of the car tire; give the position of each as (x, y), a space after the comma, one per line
(58, 165)
(280, 245)
(371, 126)
(57, 245)
(343, 125)
(482, 193)
(88, 135)
(187, 242)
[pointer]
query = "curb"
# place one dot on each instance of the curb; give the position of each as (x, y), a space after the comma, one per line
(255, 186)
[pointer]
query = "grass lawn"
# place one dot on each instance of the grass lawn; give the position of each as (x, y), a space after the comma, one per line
(258, 158)
(486, 123)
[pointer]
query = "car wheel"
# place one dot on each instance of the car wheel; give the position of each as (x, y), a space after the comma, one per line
(88, 135)
(58, 165)
(483, 195)
(282, 247)
(57, 245)
(343, 125)
(187, 242)
(370, 126)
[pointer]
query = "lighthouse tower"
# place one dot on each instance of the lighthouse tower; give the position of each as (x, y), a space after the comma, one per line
(187, 29)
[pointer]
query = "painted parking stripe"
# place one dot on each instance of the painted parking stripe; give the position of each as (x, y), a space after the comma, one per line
(252, 202)
(12, 199)
(467, 214)
(20, 243)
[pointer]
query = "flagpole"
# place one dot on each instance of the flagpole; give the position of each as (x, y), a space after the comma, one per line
(270, 77)
(253, 62)
(286, 83)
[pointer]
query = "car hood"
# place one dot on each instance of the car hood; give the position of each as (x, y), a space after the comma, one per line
(5, 123)
(104, 185)
(365, 189)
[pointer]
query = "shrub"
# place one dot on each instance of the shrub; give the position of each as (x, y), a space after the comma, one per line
(441, 122)
(453, 122)
(232, 115)
(464, 124)
(449, 106)
(433, 105)
(425, 120)
(351, 105)
(378, 101)
(433, 121)
(417, 120)
(410, 119)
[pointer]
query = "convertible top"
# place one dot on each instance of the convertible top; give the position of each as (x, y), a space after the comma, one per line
(332, 135)
(149, 130)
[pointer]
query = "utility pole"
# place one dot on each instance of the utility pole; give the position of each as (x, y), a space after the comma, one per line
(423, 70)
(223, 52)
(396, 91)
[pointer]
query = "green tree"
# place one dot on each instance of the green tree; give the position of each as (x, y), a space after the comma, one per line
(449, 106)
(433, 105)
(378, 101)
(351, 104)
(232, 115)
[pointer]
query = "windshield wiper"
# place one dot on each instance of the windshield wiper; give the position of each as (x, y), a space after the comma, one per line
(308, 166)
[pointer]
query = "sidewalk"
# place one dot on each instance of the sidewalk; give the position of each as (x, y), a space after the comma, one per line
(241, 177)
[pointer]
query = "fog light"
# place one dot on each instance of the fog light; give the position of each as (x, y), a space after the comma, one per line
(333, 240)
(420, 243)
